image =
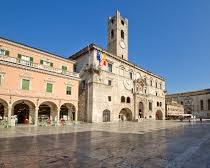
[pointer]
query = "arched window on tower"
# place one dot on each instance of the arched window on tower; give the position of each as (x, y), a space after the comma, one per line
(128, 100)
(122, 99)
(112, 33)
(122, 34)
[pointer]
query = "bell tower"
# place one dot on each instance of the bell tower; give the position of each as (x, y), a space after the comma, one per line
(118, 36)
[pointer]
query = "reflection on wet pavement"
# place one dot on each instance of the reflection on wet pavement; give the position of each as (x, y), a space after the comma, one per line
(146, 144)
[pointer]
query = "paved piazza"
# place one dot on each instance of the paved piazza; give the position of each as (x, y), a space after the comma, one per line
(145, 144)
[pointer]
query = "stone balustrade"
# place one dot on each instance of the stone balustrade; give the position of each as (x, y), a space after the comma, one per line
(17, 61)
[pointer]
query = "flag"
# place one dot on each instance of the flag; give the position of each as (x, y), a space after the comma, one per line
(99, 56)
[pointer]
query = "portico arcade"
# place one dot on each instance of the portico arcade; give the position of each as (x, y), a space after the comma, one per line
(34, 110)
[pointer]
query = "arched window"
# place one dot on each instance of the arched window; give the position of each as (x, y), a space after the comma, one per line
(112, 33)
(122, 99)
(122, 34)
(158, 104)
(128, 100)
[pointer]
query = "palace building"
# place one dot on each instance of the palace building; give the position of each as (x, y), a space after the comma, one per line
(112, 88)
(195, 102)
(36, 86)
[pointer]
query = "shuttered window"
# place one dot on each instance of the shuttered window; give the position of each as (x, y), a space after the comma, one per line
(25, 58)
(49, 87)
(42, 62)
(4, 52)
(68, 90)
(25, 84)
(64, 68)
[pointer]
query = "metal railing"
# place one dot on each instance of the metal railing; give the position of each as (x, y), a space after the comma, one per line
(37, 66)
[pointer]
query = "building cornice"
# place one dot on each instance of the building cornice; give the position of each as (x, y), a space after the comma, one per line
(191, 93)
(37, 50)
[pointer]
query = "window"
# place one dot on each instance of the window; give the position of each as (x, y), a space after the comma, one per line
(122, 22)
(68, 90)
(182, 103)
(128, 100)
(158, 104)
(122, 99)
(46, 63)
(156, 85)
(151, 83)
(1, 76)
(131, 75)
(201, 104)
(4, 52)
(25, 84)
(112, 33)
(156, 94)
(160, 86)
(75, 67)
(109, 82)
(25, 58)
(49, 87)
(150, 106)
(122, 34)
(109, 67)
(208, 104)
(122, 56)
(109, 98)
(64, 68)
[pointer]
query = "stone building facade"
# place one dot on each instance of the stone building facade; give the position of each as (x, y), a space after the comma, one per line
(174, 109)
(36, 85)
(196, 103)
(117, 90)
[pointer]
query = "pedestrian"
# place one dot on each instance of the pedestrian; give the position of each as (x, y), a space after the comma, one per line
(201, 119)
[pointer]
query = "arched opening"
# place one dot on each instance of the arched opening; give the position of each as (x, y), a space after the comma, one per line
(3, 109)
(24, 111)
(128, 100)
(141, 110)
(47, 112)
(106, 116)
(67, 112)
(125, 115)
(159, 115)
(122, 34)
(122, 99)
(112, 33)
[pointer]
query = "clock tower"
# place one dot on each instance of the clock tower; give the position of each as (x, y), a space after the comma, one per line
(118, 36)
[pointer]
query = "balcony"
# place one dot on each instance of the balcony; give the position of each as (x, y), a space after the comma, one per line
(14, 60)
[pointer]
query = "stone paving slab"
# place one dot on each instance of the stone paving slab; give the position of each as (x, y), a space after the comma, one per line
(144, 145)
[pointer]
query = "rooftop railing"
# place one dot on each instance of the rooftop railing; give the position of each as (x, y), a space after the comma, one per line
(37, 66)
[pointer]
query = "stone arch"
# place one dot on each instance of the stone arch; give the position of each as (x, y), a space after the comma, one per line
(106, 115)
(141, 110)
(24, 110)
(159, 115)
(138, 75)
(125, 114)
(68, 112)
(47, 110)
(3, 109)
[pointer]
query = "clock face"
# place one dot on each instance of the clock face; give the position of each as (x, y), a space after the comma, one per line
(128, 84)
(122, 44)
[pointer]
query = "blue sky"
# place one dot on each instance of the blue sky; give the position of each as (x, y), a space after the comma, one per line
(167, 37)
